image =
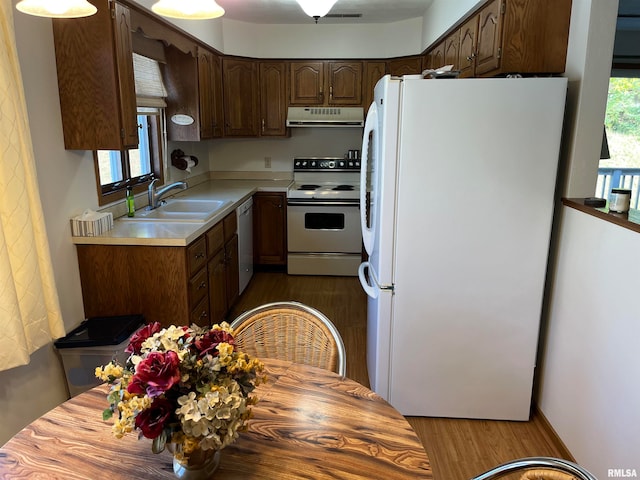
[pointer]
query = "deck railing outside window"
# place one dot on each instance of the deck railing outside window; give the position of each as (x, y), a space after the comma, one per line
(609, 178)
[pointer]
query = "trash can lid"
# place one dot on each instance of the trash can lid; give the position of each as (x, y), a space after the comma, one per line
(98, 331)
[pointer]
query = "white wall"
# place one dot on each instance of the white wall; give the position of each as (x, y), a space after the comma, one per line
(323, 40)
(590, 389)
(442, 14)
(240, 154)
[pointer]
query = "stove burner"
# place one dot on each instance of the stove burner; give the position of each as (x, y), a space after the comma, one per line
(308, 187)
(343, 187)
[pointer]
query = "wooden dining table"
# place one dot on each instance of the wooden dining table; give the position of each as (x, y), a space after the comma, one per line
(309, 423)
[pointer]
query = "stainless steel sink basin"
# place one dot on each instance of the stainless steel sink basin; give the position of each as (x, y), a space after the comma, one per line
(180, 210)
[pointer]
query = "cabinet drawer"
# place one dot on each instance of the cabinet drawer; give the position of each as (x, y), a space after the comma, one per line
(198, 287)
(200, 314)
(197, 255)
(230, 226)
(215, 238)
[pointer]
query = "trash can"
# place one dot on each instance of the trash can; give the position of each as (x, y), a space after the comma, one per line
(95, 342)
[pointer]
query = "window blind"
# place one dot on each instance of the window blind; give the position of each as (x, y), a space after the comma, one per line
(150, 91)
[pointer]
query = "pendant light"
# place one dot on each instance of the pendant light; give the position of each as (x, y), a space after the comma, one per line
(316, 8)
(188, 9)
(57, 8)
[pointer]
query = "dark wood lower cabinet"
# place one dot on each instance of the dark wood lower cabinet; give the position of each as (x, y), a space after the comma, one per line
(171, 285)
(270, 228)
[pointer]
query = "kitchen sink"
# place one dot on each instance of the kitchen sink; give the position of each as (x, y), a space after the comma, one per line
(180, 210)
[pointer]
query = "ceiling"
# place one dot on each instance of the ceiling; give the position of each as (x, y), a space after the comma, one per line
(288, 11)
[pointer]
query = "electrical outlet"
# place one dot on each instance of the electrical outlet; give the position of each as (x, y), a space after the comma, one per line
(267, 162)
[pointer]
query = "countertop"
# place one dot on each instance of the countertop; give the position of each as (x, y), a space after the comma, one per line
(630, 221)
(127, 232)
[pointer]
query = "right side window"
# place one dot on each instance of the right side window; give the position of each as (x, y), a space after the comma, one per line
(620, 156)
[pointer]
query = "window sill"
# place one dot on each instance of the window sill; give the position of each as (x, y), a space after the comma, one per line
(629, 221)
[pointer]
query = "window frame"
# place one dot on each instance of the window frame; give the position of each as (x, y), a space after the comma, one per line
(117, 190)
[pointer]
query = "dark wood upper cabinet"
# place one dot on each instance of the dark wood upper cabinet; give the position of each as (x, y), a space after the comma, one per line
(468, 42)
(373, 71)
(489, 48)
(345, 83)
(273, 98)
(405, 66)
(240, 91)
(94, 60)
(210, 92)
(451, 49)
(510, 36)
(307, 83)
(325, 83)
(180, 76)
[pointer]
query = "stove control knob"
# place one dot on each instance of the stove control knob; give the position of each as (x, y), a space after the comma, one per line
(331, 164)
(357, 164)
(350, 164)
(296, 164)
(304, 164)
(341, 164)
(313, 164)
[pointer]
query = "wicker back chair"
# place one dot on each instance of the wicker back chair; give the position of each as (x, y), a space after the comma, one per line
(539, 468)
(291, 331)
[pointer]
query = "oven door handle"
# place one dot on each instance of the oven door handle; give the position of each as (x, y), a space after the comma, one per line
(322, 204)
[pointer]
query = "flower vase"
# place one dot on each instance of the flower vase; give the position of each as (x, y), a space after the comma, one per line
(199, 465)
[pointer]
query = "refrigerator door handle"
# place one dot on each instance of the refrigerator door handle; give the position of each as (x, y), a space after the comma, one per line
(370, 127)
(371, 286)
(370, 290)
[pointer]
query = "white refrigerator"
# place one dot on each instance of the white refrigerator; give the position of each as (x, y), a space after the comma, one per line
(458, 181)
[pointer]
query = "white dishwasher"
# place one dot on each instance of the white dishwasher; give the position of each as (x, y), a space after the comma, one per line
(245, 243)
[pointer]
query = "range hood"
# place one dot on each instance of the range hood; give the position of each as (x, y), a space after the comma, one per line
(325, 117)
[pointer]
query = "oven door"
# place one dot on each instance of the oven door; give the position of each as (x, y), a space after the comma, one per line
(319, 227)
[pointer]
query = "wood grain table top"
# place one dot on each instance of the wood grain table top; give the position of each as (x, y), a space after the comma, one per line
(309, 424)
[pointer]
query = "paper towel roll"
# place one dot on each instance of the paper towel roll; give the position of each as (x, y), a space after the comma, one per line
(190, 164)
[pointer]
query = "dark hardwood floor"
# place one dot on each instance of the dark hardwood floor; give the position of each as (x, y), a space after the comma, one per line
(457, 448)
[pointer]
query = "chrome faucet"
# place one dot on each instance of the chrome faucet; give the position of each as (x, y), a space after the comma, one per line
(155, 196)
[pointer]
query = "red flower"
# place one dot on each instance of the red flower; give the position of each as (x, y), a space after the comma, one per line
(208, 342)
(152, 420)
(156, 374)
(135, 344)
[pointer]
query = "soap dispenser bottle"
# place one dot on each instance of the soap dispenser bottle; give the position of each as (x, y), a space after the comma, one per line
(131, 207)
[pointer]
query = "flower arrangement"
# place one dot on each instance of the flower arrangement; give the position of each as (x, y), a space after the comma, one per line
(185, 387)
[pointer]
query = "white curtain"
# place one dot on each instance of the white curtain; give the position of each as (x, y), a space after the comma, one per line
(29, 309)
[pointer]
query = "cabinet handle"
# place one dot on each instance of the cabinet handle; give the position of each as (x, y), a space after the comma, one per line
(199, 255)
(331, 92)
(202, 285)
(263, 125)
(203, 314)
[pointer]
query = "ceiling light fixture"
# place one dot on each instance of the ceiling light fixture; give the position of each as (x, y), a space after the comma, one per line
(188, 9)
(316, 8)
(57, 8)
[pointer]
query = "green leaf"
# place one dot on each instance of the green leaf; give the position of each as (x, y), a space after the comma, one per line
(107, 414)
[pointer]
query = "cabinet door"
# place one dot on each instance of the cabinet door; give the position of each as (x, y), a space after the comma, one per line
(94, 63)
(273, 99)
(437, 56)
(217, 287)
(240, 91)
(232, 271)
(269, 227)
(451, 49)
(205, 93)
(489, 37)
(217, 98)
(468, 42)
(405, 66)
(345, 83)
(373, 71)
(307, 83)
